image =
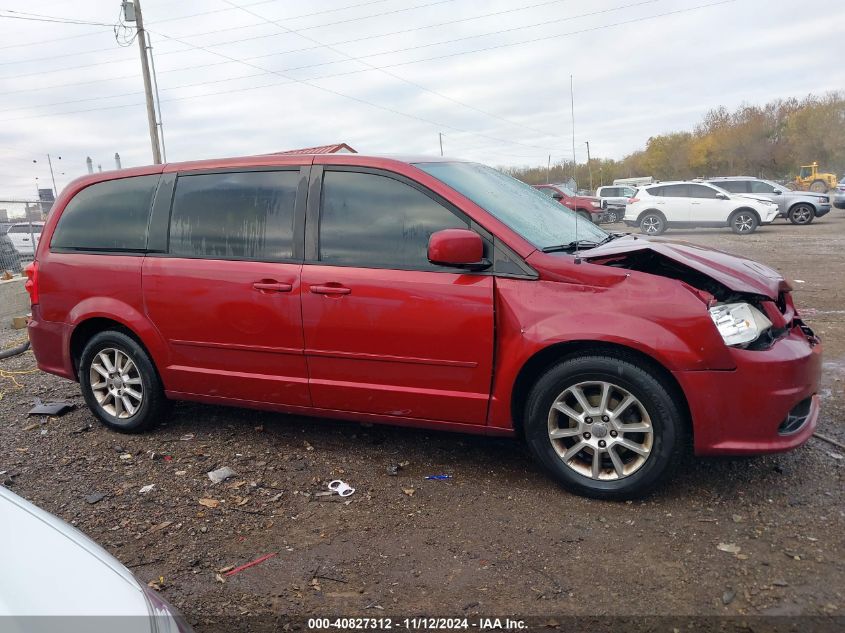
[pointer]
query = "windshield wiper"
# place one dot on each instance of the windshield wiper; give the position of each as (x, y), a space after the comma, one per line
(610, 237)
(571, 246)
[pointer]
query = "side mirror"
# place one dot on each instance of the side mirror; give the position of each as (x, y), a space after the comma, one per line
(777, 192)
(460, 248)
(557, 196)
(722, 196)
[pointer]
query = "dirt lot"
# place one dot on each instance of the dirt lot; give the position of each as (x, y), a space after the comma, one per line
(498, 538)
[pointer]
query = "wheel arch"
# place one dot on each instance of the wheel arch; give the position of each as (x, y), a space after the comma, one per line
(545, 358)
(85, 330)
(647, 211)
(745, 208)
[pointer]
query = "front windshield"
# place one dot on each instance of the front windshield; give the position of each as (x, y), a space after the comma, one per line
(566, 190)
(541, 220)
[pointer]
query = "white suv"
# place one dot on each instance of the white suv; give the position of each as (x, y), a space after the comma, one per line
(689, 204)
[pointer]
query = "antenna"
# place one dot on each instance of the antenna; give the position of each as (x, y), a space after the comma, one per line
(574, 165)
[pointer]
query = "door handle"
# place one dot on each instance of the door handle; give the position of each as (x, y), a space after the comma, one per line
(330, 290)
(272, 286)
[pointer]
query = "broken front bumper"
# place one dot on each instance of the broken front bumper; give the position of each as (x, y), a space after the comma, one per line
(768, 404)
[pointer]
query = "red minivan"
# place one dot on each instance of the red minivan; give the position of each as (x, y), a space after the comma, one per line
(421, 292)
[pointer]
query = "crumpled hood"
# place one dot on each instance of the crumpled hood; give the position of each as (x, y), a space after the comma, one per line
(736, 273)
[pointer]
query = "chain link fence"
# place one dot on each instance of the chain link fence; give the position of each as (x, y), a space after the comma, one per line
(17, 247)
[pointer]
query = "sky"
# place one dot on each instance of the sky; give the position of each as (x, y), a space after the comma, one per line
(240, 77)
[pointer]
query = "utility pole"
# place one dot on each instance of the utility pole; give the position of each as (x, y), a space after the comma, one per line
(145, 71)
(52, 175)
(440, 134)
(589, 166)
(549, 170)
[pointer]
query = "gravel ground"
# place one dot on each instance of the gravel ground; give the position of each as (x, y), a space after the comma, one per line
(498, 538)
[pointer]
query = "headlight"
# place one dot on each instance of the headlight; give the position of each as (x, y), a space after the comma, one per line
(739, 323)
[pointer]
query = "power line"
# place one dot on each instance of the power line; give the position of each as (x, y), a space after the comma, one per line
(352, 98)
(201, 13)
(391, 74)
(297, 50)
(277, 83)
(35, 17)
(400, 50)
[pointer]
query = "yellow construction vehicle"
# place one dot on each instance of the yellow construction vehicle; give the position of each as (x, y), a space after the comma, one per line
(811, 178)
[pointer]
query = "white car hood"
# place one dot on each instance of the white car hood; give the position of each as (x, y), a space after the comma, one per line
(48, 568)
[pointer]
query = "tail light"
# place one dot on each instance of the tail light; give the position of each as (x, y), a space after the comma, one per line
(31, 284)
(633, 200)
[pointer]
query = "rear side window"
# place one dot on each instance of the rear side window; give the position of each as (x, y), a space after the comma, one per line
(108, 216)
(701, 191)
(733, 186)
(674, 191)
(373, 221)
(655, 191)
(234, 215)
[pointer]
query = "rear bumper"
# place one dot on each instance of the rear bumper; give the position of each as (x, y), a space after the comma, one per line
(768, 404)
(50, 345)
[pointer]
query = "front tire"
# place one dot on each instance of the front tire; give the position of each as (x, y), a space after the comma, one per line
(743, 222)
(120, 384)
(801, 214)
(604, 427)
(818, 186)
(611, 217)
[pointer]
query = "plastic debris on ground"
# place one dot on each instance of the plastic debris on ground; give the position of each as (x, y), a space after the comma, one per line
(221, 474)
(253, 563)
(50, 408)
(438, 477)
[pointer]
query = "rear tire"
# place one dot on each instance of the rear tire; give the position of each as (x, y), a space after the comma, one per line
(801, 214)
(743, 222)
(587, 449)
(653, 223)
(120, 384)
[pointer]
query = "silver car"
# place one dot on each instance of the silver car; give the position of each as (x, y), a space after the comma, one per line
(839, 195)
(56, 578)
(799, 207)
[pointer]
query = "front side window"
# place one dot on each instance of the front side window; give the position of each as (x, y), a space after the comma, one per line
(734, 186)
(373, 221)
(701, 191)
(234, 215)
(548, 191)
(758, 186)
(108, 216)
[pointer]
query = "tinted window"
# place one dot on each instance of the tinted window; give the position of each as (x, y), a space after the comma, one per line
(373, 221)
(734, 186)
(236, 215)
(608, 192)
(701, 191)
(655, 191)
(108, 216)
(758, 186)
(675, 191)
(547, 191)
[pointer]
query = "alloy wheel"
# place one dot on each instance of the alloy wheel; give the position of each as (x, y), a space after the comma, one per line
(744, 223)
(801, 215)
(600, 430)
(651, 224)
(116, 383)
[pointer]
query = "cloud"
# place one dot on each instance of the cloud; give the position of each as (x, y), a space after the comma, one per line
(72, 91)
